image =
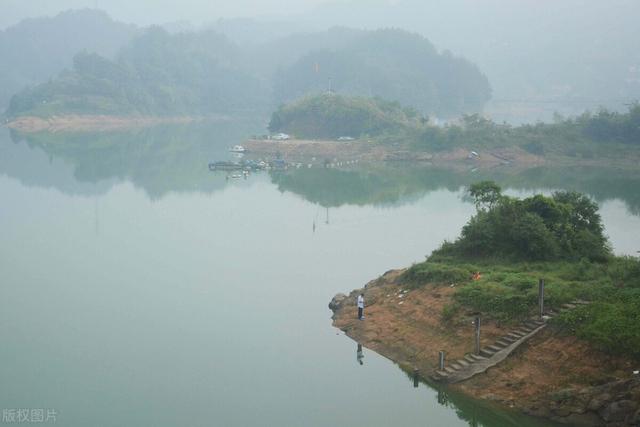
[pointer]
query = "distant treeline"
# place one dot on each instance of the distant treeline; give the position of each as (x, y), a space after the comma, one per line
(199, 73)
(605, 134)
(332, 115)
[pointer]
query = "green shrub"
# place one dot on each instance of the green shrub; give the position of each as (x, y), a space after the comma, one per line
(566, 226)
(436, 273)
(612, 326)
(503, 302)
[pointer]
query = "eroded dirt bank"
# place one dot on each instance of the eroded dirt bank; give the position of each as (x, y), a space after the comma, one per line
(553, 376)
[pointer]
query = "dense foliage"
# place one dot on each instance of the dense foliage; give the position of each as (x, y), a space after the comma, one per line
(330, 115)
(564, 226)
(391, 64)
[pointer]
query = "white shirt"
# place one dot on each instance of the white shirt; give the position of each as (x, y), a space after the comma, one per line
(360, 301)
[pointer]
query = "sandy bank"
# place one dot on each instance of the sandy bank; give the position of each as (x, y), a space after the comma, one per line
(553, 376)
(89, 123)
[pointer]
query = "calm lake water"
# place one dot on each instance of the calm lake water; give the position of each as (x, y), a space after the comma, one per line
(138, 288)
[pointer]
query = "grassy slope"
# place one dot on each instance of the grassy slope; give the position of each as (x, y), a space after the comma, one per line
(507, 292)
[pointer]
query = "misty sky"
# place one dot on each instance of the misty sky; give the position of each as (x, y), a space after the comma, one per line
(145, 12)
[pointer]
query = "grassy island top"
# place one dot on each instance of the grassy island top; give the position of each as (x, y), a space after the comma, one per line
(514, 242)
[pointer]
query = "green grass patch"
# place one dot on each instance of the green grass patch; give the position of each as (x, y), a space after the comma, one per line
(508, 292)
(437, 273)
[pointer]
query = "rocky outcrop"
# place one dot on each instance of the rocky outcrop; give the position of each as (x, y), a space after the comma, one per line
(614, 404)
(337, 301)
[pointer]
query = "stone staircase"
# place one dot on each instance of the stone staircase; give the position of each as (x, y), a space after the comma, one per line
(491, 355)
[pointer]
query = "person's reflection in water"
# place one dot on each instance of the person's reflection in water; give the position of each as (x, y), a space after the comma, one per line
(359, 355)
(443, 398)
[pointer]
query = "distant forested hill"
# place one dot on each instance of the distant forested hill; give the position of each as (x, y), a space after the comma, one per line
(200, 73)
(330, 115)
(36, 49)
(391, 64)
(156, 74)
(540, 57)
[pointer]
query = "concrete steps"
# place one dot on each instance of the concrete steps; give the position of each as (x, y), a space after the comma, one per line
(462, 362)
(490, 355)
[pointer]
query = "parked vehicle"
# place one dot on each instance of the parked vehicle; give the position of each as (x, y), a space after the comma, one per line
(238, 149)
(281, 137)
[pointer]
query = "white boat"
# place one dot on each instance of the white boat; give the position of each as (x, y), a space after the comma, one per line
(237, 149)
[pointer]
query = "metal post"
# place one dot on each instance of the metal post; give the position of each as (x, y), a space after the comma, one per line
(541, 297)
(441, 361)
(477, 334)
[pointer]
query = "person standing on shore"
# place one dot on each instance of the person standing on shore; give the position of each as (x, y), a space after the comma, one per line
(361, 307)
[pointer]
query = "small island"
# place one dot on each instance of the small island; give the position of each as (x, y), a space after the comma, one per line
(575, 364)
(336, 126)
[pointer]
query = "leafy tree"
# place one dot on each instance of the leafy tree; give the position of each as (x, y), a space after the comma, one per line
(565, 226)
(485, 194)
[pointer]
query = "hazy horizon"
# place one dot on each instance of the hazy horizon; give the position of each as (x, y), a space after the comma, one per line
(149, 12)
(540, 56)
